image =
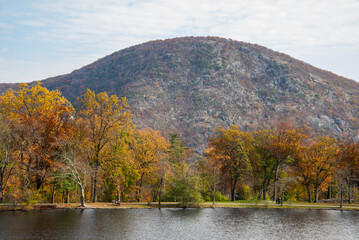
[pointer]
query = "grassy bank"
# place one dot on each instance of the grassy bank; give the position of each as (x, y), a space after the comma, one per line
(226, 204)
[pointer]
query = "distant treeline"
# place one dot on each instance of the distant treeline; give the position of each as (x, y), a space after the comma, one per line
(52, 152)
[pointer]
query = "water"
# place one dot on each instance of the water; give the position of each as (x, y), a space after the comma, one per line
(221, 224)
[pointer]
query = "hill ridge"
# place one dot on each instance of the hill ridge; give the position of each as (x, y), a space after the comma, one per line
(191, 85)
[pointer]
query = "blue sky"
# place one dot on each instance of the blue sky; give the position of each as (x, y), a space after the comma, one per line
(45, 38)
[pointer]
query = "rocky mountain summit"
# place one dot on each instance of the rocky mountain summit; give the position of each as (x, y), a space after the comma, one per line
(193, 85)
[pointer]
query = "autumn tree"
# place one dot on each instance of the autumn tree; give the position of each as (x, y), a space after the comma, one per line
(104, 116)
(231, 147)
(348, 164)
(210, 170)
(263, 162)
(302, 168)
(39, 117)
(149, 148)
(282, 143)
(75, 157)
(315, 164)
(9, 155)
(119, 165)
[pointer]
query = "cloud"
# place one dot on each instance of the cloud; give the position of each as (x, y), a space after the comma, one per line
(303, 23)
(5, 26)
(98, 27)
(32, 23)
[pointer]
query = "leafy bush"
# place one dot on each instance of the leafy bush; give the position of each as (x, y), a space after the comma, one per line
(220, 197)
(244, 193)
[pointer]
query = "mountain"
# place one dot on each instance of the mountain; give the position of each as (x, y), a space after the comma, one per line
(193, 85)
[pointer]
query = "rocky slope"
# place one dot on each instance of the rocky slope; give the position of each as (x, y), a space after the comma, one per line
(192, 85)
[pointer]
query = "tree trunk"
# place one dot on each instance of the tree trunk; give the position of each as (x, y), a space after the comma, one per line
(214, 195)
(138, 197)
(4, 181)
(67, 199)
(94, 196)
(264, 191)
(160, 192)
(341, 195)
(82, 198)
(316, 192)
(38, 182)
(275, 182)
(309, 194)
(118, 197)
(350, 196)
(233, 196)
(53, 192)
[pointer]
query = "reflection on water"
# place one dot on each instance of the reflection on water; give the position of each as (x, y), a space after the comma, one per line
(228, 223)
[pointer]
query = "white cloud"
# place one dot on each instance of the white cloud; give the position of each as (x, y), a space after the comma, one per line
(303, 23)
(32, 23)
(5, 26)
(97, 27)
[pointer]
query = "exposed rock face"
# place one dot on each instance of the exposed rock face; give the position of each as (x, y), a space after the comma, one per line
(193, 85)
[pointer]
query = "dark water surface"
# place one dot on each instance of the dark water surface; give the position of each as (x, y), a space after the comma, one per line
(225, 223)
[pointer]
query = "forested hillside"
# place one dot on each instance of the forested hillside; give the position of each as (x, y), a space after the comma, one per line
(191, 86)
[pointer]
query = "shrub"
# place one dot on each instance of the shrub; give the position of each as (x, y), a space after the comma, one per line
(244, 193)
(220, 197)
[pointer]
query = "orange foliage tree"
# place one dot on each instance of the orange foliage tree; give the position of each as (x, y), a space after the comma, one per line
(315, 164)
(39, 117)
(231, 147)
(348, 164)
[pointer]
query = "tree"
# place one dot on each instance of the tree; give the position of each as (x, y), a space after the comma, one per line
(302, 168)
(231, 147)
(149, 148)
(119, 166)
(186, 185)
(104, 116)
(38, 117)
(177, 149)
(264, 163)
(316, 163)
(348, 164)
(9, 154)
(74, 158)
(210, 170)
(282, 143)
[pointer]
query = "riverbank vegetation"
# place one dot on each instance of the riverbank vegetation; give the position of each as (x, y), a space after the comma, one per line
(53, 152)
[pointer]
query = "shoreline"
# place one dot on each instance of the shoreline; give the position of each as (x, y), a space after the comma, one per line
(145, 205)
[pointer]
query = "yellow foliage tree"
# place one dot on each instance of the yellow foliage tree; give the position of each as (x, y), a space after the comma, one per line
(105, 116)
(149, 150)
(39, 118)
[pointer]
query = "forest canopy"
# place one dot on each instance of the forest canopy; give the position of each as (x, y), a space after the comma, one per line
(53, 152)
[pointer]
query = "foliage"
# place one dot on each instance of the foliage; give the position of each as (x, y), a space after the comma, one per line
(231, 148)
(220, 197)
(244, 193)
(186, 186)
(47, 147)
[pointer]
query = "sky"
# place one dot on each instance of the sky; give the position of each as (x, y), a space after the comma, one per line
(46, 38)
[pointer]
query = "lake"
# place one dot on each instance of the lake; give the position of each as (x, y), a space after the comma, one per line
(220, 223)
